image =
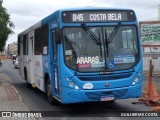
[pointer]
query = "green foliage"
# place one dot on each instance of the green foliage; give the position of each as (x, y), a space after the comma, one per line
(5, 27)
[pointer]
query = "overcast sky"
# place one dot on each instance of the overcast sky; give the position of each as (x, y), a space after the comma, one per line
(25, 13)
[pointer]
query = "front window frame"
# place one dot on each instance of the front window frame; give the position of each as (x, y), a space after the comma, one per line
(103, 40)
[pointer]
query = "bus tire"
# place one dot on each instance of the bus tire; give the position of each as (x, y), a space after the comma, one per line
(49, 93)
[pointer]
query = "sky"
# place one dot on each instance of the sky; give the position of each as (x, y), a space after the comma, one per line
(25, 13)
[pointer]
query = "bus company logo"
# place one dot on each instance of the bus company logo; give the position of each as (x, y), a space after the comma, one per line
(6, 114)
(88, 86)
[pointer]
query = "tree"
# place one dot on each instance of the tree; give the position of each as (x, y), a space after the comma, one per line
(6, 26)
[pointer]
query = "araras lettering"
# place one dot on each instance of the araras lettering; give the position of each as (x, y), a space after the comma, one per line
(83, 60)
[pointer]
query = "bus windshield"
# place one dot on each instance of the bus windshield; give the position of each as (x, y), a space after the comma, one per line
(91, 50)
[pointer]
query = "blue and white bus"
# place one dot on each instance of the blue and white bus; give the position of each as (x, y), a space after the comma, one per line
(83, 55)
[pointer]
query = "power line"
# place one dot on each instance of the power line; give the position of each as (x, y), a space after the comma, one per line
(150, 7)
(148, 11)
(146, 15)
(95, 3)
(141, 14)
(153, 19)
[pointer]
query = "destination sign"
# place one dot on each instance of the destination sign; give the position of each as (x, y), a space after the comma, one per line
(98, 16)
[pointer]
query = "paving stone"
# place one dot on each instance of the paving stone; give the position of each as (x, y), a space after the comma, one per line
(9, 99)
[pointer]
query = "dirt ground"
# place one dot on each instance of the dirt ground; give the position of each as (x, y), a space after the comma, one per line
(156, 80)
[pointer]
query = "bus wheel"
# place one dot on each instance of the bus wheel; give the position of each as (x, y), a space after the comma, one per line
(49, 93)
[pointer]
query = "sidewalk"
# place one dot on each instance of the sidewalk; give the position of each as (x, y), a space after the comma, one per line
(10, 100)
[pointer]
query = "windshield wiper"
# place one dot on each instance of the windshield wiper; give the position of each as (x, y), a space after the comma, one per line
(91, 34)
(112, 35)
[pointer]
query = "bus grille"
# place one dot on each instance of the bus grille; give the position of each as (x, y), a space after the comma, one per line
(97, 95)
(109, 77)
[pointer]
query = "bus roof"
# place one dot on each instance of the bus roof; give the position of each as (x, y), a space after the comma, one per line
(92, 8)
(56, 14)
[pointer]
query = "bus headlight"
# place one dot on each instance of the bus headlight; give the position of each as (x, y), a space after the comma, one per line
(76, 87)
(73, 85)
(133, 83)
(136, 80)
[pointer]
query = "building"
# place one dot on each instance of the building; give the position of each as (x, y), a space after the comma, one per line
(12, 48)
(150, 39)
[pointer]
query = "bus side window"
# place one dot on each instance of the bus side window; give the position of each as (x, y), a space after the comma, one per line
(25, 44)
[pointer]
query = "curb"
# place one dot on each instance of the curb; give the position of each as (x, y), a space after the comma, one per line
(19, 96)
(9, 80)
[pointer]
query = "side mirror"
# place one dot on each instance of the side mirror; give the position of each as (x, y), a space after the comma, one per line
(57, 36)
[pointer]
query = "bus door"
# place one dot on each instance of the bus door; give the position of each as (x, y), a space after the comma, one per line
(31, 57)
(55, 65)
(21, 68)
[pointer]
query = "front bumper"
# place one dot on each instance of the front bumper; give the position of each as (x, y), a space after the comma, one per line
(78, 96)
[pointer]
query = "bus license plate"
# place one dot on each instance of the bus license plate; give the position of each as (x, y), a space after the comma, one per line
(107, 98)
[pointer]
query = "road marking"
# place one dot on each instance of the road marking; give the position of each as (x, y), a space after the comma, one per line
(17, 93)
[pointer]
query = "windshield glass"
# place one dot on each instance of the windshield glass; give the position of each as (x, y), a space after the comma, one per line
(92, 51)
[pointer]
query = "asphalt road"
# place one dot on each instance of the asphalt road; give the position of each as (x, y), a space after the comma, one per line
(36, 100)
